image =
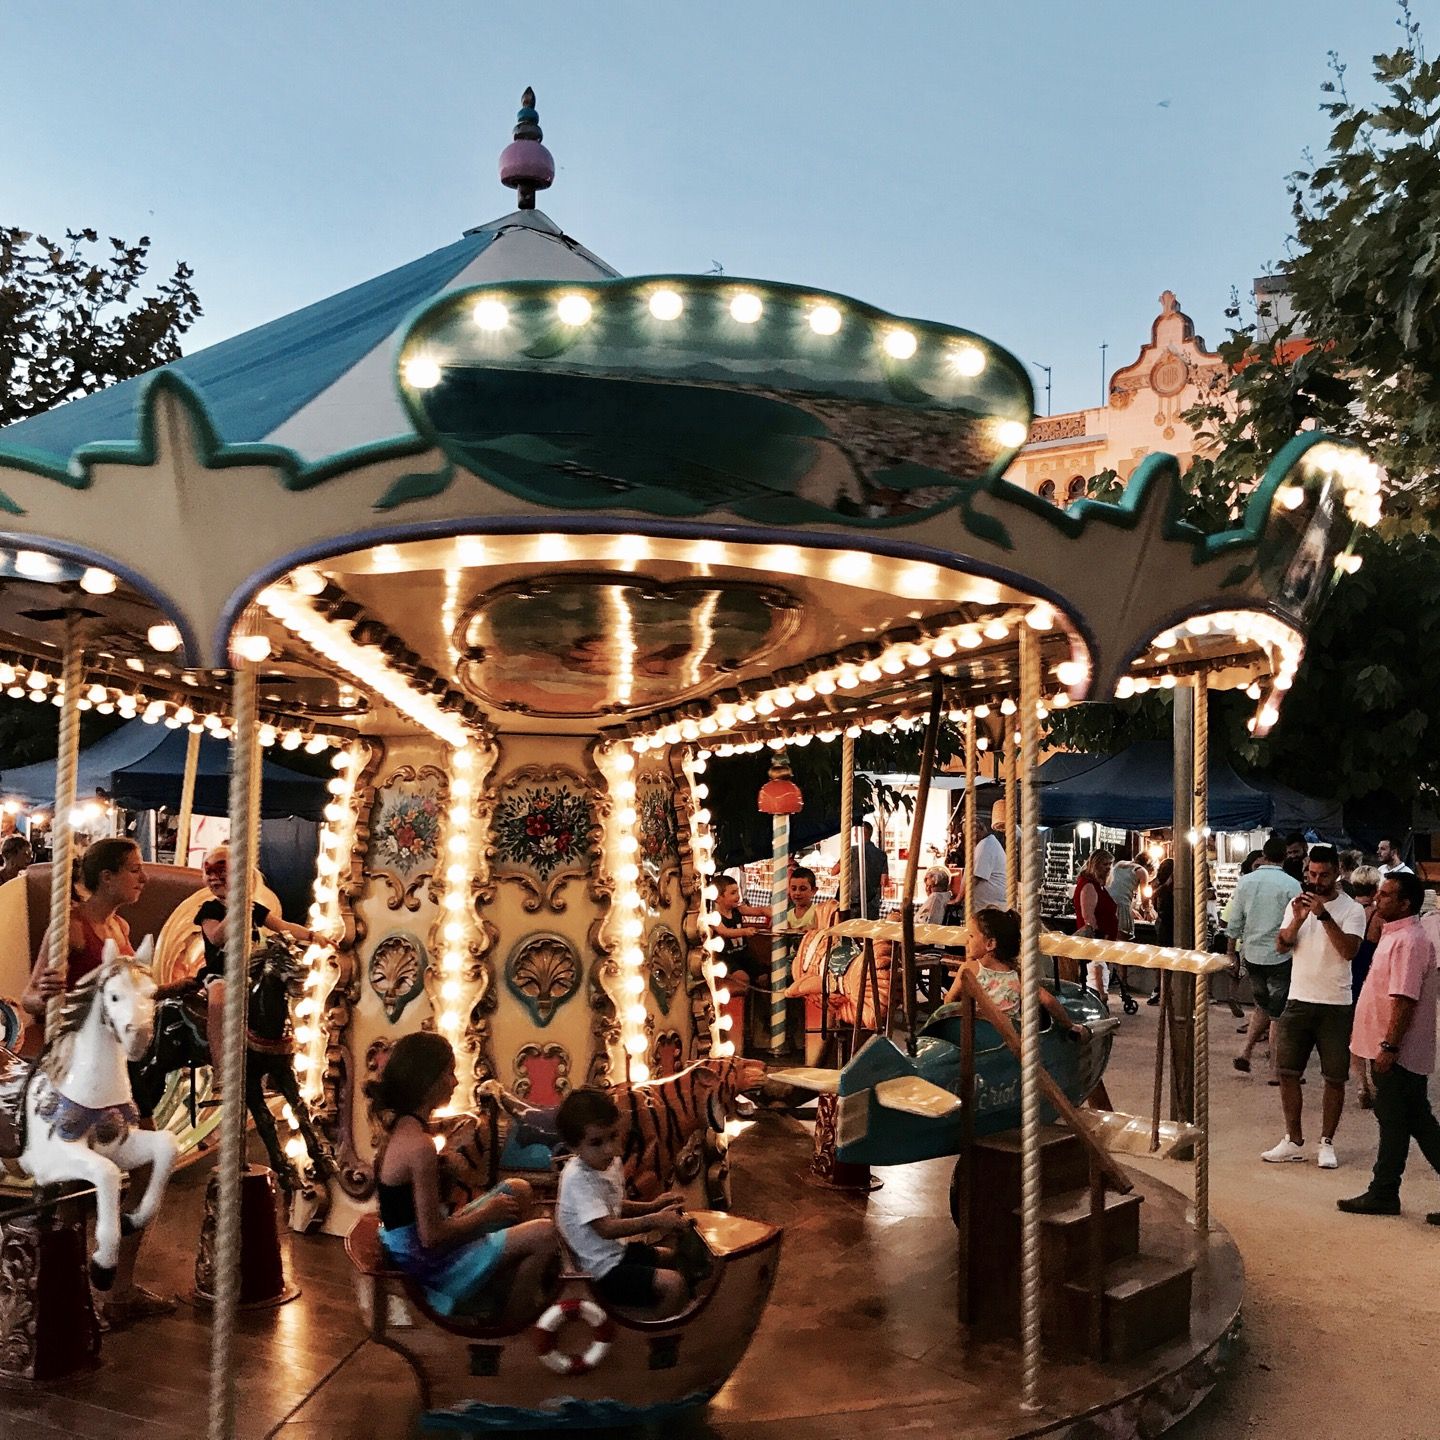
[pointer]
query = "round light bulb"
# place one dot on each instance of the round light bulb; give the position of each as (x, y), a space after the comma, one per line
(666, 305)
(97, 582)
(900, 344)
(1012, 433)
(573, 309)
(967, 360)
(163, 638)
(825, 320)
(491, 314)
(745, 308)
(421, 372)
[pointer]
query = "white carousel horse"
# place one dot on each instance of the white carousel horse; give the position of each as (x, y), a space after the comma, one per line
(81, 1122)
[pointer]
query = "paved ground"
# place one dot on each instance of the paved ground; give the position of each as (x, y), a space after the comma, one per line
(1342, 1313)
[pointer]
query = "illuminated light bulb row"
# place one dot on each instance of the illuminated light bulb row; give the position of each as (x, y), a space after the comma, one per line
(422, 369)
(893, 661)
(625, 923)
(702, 859)
(1355, 472)
(364, 663)
(911, 580)
(457, 921)
(36, 565)
(337, 836)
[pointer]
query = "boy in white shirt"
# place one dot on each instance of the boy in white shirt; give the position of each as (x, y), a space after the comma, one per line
(596, 1220)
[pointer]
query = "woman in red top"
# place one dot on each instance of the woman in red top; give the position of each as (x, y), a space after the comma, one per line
(114, 875)
(1096, 915)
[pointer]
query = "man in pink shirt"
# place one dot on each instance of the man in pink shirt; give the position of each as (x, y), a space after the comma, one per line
(1394, 1031)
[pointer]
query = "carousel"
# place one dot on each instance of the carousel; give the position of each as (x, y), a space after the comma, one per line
(526, 547)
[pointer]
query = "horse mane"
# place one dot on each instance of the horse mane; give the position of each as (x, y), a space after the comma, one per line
(75, 1009)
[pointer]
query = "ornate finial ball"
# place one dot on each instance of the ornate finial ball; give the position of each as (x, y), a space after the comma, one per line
(525, 164)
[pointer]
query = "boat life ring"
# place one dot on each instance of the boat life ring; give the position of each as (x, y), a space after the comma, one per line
(564, 1362)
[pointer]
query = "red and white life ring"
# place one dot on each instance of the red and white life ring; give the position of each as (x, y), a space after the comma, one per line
(564, 1362)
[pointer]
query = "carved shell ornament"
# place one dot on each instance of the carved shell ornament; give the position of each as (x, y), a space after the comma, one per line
(665, 962)
(397, 971)
(543, 972)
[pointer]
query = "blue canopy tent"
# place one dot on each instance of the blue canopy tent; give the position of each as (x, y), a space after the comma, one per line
(1133, 791)
(140, 767)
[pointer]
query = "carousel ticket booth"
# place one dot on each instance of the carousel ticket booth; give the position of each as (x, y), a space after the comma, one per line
(523, 545)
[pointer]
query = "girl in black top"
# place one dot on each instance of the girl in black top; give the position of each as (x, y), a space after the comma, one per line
(210, 918)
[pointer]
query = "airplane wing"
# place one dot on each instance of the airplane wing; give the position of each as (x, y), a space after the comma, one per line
(914, 1096)
(808, 1077)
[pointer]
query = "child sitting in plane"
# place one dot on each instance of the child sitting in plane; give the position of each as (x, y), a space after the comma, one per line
(992, 952)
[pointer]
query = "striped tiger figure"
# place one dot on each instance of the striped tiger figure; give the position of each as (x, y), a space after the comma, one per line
(671, 1130)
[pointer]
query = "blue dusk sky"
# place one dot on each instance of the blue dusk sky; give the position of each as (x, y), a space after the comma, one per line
(1037, 172)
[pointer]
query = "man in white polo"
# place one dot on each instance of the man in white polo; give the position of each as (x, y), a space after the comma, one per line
(1321, 934)
(1391, 861)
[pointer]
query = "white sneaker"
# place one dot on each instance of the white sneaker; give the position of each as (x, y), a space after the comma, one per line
(1328, 1159)
(1286, 1150)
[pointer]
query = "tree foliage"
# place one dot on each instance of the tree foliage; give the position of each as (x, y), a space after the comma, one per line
(1364, 282)
(73, 319)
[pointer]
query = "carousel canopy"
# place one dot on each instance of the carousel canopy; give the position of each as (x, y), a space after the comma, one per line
(503, 489)
(1134, 791)
(141, 767)
(319, 380)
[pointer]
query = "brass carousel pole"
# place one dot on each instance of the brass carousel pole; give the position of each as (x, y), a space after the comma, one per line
(1030, 1189)
(912, 860)
(970, 765)
(244, 797)
(1200, 822)
(847, 818)
(1012, 825)
(62, 852)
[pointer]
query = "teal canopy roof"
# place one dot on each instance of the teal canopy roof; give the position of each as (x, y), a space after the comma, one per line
(254, 382)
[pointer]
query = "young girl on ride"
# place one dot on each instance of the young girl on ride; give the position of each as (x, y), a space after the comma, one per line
(992, 951)
(111, 875)
(456, 1258)
(210, 918)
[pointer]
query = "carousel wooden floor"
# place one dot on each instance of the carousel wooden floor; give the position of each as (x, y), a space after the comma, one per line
(859, 1336)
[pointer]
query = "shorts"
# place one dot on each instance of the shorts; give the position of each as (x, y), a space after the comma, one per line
(1305, 1026)
(631, 1284)
(1270, 985)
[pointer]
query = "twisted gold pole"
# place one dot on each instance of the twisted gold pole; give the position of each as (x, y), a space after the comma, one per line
(1202, 940)
(1030, 1022)
(1012, 825)
(62, 854)
(847, 816)
(244, 797)
(970, 759)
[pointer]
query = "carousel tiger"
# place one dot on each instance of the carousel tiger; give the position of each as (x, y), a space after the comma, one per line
(672, 1130)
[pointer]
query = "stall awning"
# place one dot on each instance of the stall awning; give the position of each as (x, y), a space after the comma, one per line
(141, 766)
(1133, 791)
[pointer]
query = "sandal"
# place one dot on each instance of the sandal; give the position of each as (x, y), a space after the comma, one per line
(1241, 1064)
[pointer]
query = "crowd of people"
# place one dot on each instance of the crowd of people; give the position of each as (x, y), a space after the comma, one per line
(1342, 956)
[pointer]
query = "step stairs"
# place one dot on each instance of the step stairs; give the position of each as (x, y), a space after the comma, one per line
(1145, 1297)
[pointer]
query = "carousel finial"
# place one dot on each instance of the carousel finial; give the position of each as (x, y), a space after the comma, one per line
(525, 164)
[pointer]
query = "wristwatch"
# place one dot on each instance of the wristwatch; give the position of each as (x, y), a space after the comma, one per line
(1388, 1048)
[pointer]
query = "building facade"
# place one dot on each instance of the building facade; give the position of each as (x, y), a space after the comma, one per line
(1147, 399)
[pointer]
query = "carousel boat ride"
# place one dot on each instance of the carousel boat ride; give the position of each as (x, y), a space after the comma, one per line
(528, 548)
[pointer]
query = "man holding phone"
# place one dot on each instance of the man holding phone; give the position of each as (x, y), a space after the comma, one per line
(1322, 932)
